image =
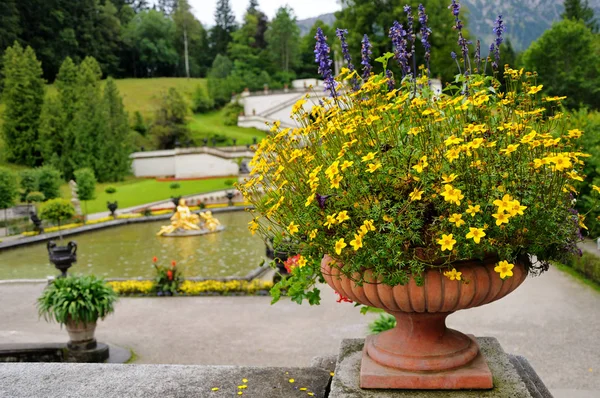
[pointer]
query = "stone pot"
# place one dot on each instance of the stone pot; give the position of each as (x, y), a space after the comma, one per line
(421, 352)
(81, 334)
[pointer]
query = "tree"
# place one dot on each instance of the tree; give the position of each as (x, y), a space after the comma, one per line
(567, 59)
(57, 210)
(202, 103)
(262, 24)
(29, 182)
(114, 151)
(283, 38)
(151, 35)
(169, 128)
(183, 21)
(86, 185)
(23, 96)
(10, 23)
(579, 10)
(375, 17)
(220, 34)
(49, 181)
(57, 142)
(8, 189)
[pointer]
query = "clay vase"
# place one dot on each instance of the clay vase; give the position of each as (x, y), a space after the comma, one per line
(81, 335)
(421, 352)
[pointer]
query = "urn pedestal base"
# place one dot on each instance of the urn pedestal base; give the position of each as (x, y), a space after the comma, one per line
(474, 375)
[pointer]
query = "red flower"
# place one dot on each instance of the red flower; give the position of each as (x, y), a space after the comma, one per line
(291, 262)
(170, 275)
(342, 299)
(173, 263)
(154, 259)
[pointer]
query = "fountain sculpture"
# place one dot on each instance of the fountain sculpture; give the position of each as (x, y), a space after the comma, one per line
(186, 223)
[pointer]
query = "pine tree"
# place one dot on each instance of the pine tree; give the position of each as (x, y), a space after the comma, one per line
(114, 152)
(56, 140)
(262, 24)
(579, 10)
(88, 128)
(224, 26)
(23, 96)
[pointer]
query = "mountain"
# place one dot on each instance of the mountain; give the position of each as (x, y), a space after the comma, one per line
(525, 20)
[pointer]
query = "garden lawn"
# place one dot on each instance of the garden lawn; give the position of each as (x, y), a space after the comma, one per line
(137, 191)
(207, 125)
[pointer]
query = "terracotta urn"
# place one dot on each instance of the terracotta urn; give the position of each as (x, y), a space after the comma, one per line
(421, 352)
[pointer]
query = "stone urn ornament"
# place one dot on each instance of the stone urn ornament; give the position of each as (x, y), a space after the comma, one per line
(62, 257)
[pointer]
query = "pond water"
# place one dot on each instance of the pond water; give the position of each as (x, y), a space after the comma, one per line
(127, 251)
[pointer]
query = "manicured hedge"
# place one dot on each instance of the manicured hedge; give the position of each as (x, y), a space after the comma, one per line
(588, 264)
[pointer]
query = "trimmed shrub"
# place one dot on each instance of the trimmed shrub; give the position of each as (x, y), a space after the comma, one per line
(588, 264)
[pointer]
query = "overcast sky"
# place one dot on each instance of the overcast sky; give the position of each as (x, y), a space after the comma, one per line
(205, 9)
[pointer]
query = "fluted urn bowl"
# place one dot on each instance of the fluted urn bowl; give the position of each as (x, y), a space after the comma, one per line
(421, 342)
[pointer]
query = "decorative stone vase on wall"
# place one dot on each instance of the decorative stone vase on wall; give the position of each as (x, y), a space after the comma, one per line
(421, 352)
(62, 256)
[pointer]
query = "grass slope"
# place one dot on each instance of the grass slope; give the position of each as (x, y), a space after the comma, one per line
(208, 124)
(137, 191)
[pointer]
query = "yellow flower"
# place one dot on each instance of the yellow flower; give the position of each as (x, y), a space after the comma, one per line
(330, 221)
(333, 170)
(309, 200)
(446, 242)
(448, 179)
(346, 164)
(581, 219)
(313, 234)
(504, 268)
(574, 176)
(301, 262)
(576, 133)
(510, 149)
(529, 137)
(421, 165)
(596, 188)
(387, 218)
(476, 234)
(452, 154)
(501, 218)
(369, 156)
(452, 140)
(416, 195)
(339, 245)
(342, 216)
(456, 219)
(371, 167)
(472, 210)
(415, 130)
(453, 275)
(504, 203)
(561, 162)
(516, 208)
(253, 226)
(369, 224)
(357, 242)
(535, 89)
(335, 181)
(293, 228)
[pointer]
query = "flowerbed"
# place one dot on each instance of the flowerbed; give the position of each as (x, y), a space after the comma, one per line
(194, 288)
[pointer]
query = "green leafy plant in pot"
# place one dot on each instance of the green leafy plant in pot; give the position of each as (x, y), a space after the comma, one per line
(77, 303)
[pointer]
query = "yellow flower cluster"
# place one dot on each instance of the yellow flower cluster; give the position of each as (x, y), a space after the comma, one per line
(197, 287)
(132, 287)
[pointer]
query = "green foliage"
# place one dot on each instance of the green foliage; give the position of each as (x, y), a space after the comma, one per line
(174, 186)
(189, 30)
(225, 25)
(110, 189)
(139, 124)
(35, 197)
(82, 299)
(8, 188)
(29, 182)
(114, 148)
(168, 278)
(221, 83)
(383, 323)
(202, 103)
(567, 59)
(151, 35)
(49, 182)
(308, 68)
(283, 38)
(588, 264)
(23, 97)
(169, 126)
(57, 210)
(579, 10)
(231, 113)
(86, 184)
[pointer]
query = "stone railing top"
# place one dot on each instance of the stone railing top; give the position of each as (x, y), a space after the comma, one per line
(228, 152)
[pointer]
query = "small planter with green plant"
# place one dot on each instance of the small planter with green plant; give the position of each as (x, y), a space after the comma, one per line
(168, 278)
(77, 303)
(111, 206)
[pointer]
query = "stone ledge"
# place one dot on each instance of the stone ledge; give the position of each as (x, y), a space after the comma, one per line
(59, 380)
(509, 382)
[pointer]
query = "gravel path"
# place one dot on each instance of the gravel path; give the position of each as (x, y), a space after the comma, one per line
(552, 320)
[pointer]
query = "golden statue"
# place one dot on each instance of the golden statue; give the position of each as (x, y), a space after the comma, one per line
(184, 222)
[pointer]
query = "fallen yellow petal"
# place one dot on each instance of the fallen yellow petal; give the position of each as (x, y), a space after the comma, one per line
(303, 389)
(291, 380)
(242, 387)
(244, 380)
(310, 394)
(215, 389)
(331, 374)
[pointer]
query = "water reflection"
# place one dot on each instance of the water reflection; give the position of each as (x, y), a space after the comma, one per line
(127, 252)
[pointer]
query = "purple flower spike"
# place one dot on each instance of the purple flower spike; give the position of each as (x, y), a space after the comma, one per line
(341, 34)
(478, 56)
(458, 25)
(425, 32)
(324, 62)
(391, 83)
(499, 28)
(321, 200)
(366, 57)
(455, 7)
(412, 37)
(398, 36)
